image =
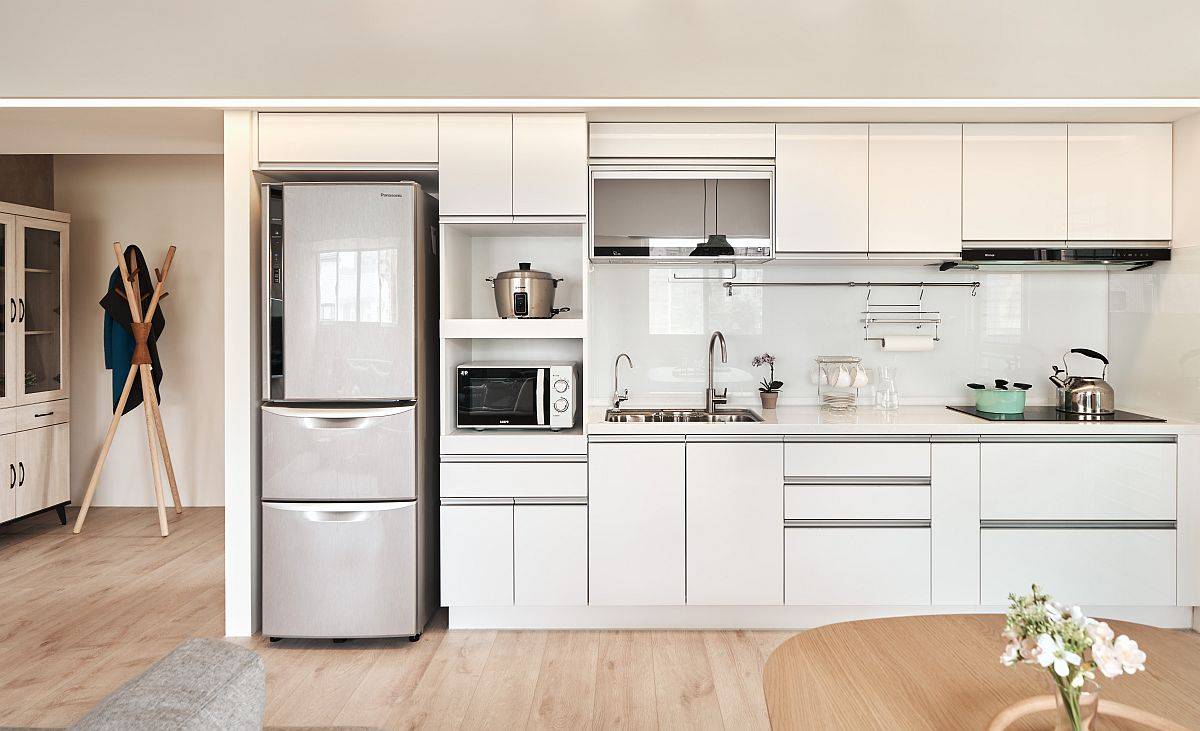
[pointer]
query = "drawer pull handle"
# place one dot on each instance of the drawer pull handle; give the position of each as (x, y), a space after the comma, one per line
(12, 310)
(336, 516)
(48, 413)
(22, 480)
(12, 476)
(21, 310)
(335, 422)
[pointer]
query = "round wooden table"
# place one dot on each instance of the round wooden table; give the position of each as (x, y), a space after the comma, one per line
(944, 672)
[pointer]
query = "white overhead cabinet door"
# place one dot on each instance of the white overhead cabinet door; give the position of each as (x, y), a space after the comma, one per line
(1014, 182)
(1119, 182)
(475, 164)
(289, 138)
(549, 165)
(821, 188)
(915, 184)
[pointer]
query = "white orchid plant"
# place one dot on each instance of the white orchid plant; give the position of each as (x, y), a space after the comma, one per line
(1043, 632)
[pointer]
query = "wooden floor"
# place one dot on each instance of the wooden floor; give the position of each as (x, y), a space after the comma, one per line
(79, 615)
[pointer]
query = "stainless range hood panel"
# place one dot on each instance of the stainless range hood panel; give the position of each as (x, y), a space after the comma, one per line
(1080, 253)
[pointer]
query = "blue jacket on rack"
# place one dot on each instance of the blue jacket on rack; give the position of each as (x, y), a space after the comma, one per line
(118, 332)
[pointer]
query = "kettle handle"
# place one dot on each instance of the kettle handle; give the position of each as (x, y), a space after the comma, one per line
(1091, 354)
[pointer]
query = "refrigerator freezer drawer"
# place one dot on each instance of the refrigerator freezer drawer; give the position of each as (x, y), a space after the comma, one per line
(339, 569)
(339, 454)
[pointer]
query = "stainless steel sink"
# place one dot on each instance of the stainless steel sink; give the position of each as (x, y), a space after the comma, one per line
(666, 416)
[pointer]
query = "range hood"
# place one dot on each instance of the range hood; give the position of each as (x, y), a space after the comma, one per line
(1126, 254)
(695, 216)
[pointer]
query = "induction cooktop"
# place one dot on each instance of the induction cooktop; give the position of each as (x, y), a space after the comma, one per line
(1049, 413)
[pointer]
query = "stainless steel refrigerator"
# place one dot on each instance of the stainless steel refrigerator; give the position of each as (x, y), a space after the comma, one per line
(349, 419)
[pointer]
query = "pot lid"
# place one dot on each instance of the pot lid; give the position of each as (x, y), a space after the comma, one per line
(524, 272)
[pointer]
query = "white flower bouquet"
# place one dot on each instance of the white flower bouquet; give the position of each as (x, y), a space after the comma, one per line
(1042, 632)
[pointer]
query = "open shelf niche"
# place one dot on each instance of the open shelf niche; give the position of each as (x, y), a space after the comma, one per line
(471, 330)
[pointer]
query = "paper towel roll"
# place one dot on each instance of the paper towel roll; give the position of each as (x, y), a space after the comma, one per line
(908, 343)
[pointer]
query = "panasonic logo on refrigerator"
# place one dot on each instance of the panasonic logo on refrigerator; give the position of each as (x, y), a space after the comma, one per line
(391, 195)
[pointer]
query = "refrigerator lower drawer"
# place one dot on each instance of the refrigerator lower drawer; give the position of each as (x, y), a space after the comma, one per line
(353, 453)
(339, 569)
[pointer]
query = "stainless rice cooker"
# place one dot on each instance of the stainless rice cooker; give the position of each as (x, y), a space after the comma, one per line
(525, 292)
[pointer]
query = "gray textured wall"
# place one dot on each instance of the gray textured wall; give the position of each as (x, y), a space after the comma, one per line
(27, 180)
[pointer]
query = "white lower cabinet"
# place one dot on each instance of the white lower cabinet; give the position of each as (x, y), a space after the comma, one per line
(636, 523)
(734, 531)
(8, 498)
(550, 555)
(856, 566)
(477, 555)
(1096, 566)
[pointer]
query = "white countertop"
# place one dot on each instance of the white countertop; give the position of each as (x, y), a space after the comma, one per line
(867, 420)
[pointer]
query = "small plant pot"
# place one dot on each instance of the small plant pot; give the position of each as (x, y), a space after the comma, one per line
(769, 398)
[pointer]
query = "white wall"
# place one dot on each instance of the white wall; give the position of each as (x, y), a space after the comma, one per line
(706, 48)
(1019, 323)
(151, 200)
(1154, 317)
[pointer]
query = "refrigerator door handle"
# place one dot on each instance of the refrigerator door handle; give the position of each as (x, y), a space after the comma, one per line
(339, 508)
(336, 516)
(301, 412)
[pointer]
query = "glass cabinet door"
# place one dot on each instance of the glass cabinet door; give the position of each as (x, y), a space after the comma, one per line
(8, 319)
(41, 308)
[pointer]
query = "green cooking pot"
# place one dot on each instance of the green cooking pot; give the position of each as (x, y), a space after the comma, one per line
(1000, 401)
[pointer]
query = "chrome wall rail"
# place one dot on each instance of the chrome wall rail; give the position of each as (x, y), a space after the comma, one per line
(729, 286)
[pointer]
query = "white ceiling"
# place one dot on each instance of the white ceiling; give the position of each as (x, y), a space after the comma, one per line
(615, 48)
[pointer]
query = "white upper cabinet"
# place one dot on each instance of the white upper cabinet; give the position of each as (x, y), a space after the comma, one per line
(512, 165)
(821, 188)
(1119, 182)
(682, 139)
(915, 188)
(549, 165)
(1014, 182)
(341, 137)
(475, 165)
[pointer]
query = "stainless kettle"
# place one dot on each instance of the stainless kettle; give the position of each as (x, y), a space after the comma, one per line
(1084, 394)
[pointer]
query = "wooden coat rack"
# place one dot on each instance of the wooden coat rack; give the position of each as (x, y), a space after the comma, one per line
(156, 436)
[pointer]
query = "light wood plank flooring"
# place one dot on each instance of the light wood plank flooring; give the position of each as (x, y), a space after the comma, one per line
(79, 615)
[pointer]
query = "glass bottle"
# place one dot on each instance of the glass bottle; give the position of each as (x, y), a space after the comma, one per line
(886, 397)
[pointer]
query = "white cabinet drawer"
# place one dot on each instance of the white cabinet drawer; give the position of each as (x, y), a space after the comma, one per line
(857, 566)
(856, 459)
(856, 502)
(1106, 567)
(32, 416)
(514, 479)
(343, 137)
(477, 555)
(681, 139)
(1077, 481)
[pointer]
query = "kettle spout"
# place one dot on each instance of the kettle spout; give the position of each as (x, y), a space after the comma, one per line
(1057, 381)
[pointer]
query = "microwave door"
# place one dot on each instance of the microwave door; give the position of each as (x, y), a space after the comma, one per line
(502, 398)
(349, 292)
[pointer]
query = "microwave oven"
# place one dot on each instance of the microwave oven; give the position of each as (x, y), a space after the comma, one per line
(538, 395)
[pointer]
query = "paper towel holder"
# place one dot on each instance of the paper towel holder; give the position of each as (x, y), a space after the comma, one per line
(908, 314)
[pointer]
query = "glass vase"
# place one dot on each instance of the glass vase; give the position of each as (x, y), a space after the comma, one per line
(1075, 708)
